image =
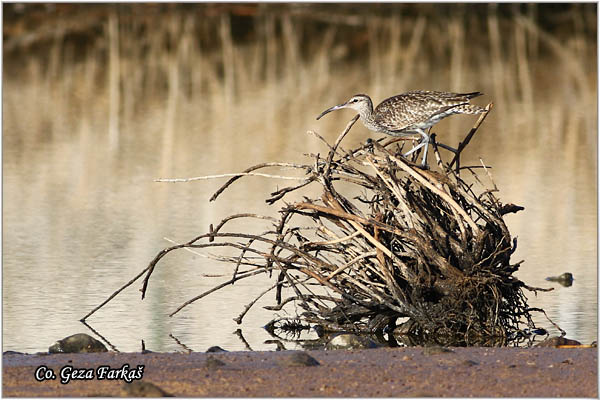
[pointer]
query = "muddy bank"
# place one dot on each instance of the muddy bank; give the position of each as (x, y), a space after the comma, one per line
(399, 372)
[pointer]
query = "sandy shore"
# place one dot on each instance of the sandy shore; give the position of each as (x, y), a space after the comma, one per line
(384, 372)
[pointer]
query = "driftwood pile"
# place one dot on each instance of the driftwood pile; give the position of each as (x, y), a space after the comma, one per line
(385, 240)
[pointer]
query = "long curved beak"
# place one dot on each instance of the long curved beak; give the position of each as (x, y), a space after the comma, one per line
(331, 109)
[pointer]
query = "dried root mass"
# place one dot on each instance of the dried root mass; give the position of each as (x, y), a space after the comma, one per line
(385, 240)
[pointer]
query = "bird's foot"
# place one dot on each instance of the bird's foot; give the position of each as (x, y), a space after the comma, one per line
(415, 165)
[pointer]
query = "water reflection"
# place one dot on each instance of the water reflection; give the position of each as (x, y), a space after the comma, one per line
(87, 130)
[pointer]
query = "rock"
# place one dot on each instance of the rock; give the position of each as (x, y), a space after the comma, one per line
(143, 389)
(216, 349)
(213, 363)
(429, 351)
(350, 341)
(298, 359)
(319, 330)
(12, 353)
(78, 343)
(556, 341)
(565, 279)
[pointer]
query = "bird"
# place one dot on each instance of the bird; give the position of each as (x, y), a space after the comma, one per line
(409, 113)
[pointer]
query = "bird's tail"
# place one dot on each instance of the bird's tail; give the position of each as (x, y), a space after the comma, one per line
(470, 95)
(468, 109)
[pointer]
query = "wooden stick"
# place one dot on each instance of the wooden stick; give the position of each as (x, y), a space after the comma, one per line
(465, 142)
(238, 175)
(337, 143)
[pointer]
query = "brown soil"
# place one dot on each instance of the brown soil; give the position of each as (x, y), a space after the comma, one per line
(384, 372)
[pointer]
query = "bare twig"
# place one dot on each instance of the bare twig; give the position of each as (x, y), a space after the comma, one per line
(214, 289)
(116, 292)
(464, 143)
(248, 170)
(237, 175)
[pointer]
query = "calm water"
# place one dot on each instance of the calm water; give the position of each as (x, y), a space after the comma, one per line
(82, 215)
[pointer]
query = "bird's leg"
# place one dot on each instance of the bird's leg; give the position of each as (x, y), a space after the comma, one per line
(417, 147)
(424, 142)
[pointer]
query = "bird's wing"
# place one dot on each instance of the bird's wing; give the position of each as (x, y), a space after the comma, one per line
(400, 112)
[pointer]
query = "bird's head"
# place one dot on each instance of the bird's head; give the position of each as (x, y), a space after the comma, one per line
(359, 102)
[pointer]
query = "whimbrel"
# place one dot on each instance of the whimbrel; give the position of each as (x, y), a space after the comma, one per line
(409, 113)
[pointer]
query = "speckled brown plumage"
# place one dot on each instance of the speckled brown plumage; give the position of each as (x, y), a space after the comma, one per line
(422, 109)
(411, 112)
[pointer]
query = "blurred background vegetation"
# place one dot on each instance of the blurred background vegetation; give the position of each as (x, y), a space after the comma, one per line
(532, 59)
(100, 99)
